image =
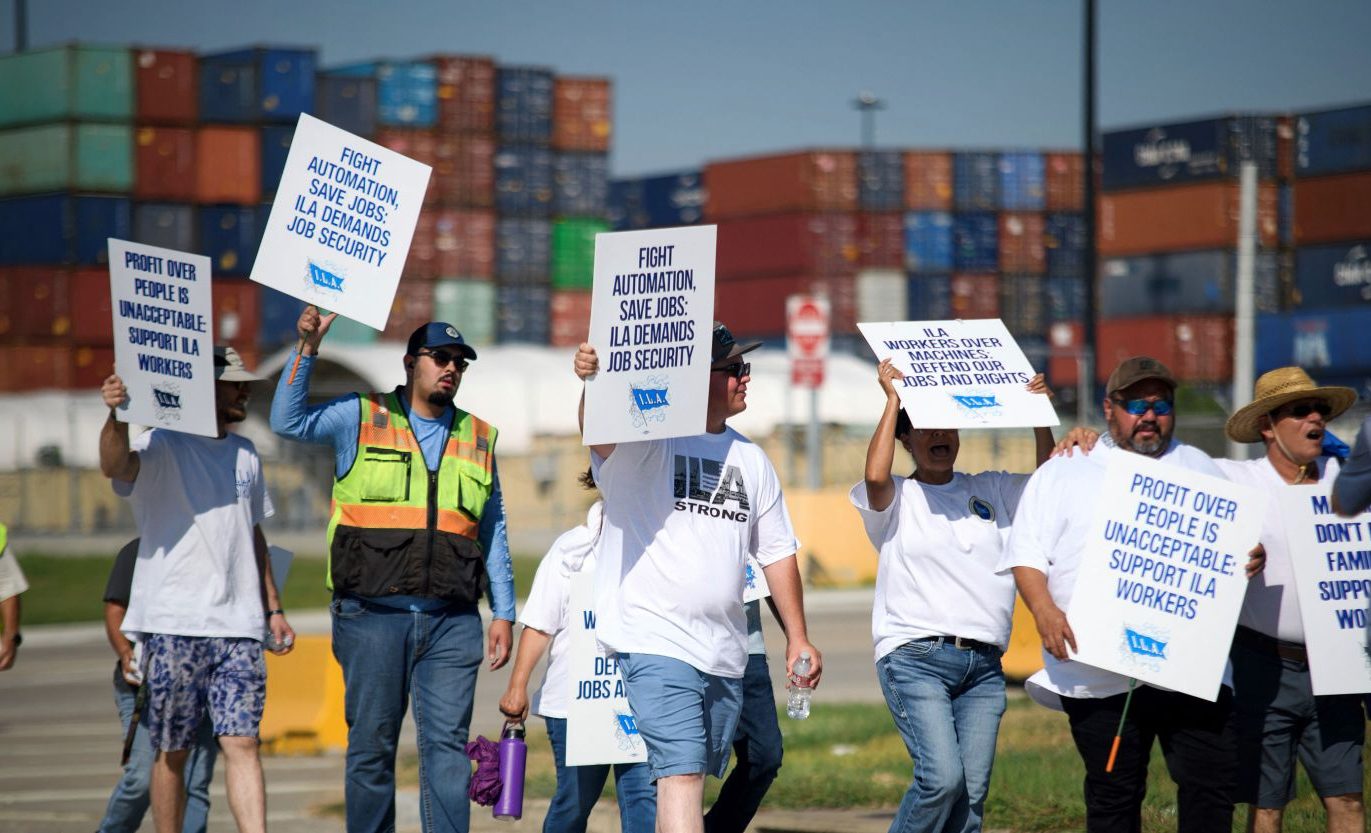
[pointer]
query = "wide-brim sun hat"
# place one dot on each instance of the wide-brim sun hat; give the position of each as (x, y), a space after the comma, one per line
(1281, 387)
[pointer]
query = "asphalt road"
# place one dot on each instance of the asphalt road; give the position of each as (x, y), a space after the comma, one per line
(60, 739)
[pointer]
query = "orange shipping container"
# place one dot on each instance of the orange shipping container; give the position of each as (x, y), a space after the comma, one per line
(1065, 181)
(421, 262)
(419, 145)
(804, 181)
(164, 164)
(581, 118)
(1180, 217)
(90, 366)
(167, 87)
(975, 296)
(466, 94)
(880, 240)
(412, 308)
(464, 244)
(1196, 348)
(29, 367)
(755, 307)
(228, 162)
(91, 317)
(928, 180)
(570, 318)
(464, 171)
(779, 244)
(1021, 243)
(1063, 367)
(39, 302)
(1331, 209)
(237, 313)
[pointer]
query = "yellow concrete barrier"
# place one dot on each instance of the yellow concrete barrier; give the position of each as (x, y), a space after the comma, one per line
(1024, 657)
(304, 711)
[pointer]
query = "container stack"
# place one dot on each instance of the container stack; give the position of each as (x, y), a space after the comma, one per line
(1168, 229)
(1324, 330)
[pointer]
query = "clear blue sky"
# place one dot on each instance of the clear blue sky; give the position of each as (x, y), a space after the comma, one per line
(707, 79)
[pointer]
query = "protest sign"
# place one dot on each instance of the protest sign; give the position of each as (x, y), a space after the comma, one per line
(1162, 577)
(341, 223)
(960, 374)
(754, 581)
(163, 337)
(1331, 557)
(651, 318)
(600, 728)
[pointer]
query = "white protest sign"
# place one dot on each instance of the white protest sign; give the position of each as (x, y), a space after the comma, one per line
(163, 337)
(1331, 557)
(600, 728)
(1162, 577)
(651, 319)
(754, 582)
(960, 374)
(341, 223)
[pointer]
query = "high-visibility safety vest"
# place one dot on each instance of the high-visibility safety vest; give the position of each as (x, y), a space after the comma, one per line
(398, 528)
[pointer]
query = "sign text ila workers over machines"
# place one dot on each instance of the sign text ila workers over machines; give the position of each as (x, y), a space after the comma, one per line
(1163, 575)
(651, 319)
(341, 223)
(1331, 557)
(163, 337)
(960, 374)
(600, 727)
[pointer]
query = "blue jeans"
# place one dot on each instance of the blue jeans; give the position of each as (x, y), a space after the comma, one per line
(579, 787)
(129, 801)
(947, 703)
(757, 746)
(389, 654)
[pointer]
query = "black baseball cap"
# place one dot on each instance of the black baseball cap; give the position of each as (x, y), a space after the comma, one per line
(726, 348)
(437, 334)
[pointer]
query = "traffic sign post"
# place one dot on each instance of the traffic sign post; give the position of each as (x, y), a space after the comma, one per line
(807, 318)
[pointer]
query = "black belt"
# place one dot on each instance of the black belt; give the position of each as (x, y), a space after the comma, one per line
(1258, 641)
(961, 643)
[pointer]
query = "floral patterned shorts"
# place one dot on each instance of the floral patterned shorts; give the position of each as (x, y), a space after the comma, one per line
(187, 674)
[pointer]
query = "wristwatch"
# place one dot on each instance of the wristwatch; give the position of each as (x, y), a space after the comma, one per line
(18, 639)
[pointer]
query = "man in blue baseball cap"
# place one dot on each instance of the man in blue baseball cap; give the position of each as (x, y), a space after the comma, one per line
(416, 536)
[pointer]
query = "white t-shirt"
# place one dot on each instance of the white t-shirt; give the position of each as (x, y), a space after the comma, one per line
(681, 516)
(1271, 605)
(196, 501)
(1055, 514)
(939, 546)
(12, 581)
(547, 609)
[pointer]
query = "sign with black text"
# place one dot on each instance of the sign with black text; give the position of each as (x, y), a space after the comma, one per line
(600, 728)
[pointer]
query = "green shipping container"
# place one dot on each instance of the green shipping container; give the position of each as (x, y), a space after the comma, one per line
(61, 157)
(573, 252)
(70, 82)
(467, 305)
(346, 331)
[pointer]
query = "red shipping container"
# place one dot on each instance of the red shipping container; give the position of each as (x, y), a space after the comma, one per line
(1021, 243)
(464, 244)
(880, 240)
(419, 145)
(975, 296)
(570, 318)
(166, 87)
(29, 367)
(228, 163)
(39, 302)
(412, 308)
(778, 244)
(237, 313)
(755, 307)
(1195, 348)
(1182, 217)
(581, 118)
(90, 366)
(1065, 181)
(421, 262)
(464, 171)
(1063, 368)
(1331, 209)
(928, 180)
(92, 320)
(466, 94)
(164, 164)
(804, 181)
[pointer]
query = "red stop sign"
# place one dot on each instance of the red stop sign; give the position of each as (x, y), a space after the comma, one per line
(808, 326)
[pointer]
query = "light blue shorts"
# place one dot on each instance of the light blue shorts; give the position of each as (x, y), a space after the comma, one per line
(687, 717)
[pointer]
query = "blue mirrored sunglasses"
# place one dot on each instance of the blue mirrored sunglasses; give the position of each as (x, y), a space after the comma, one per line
(1138, 407)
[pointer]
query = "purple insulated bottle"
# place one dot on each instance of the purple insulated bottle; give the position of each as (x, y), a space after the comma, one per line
(513, 758)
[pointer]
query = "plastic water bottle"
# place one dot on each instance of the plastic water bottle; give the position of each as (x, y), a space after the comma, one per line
(798, 705)
(513, 760)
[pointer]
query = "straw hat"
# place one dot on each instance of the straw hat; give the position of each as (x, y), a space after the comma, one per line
(1277, 388)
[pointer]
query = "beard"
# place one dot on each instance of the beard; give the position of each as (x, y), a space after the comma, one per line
(1153, 447)
(440, 399)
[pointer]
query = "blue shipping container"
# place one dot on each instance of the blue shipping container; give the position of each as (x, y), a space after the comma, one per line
(660, 201)
(1023, 181)
(62, 229)
(248, 85)
(624, 208)
(1182, 284)
(165, 224)
(1066, 299)
(1333, 141)
(346, 103)
(524, 105)
(406, 91)
(1327, 343)
(1064, 242)
(930, 298)
(1333, 276)
(976, 181)
(1188, 151)
(524, 181)
(277, 313)
(880, 180)
(523, 315)
(975, 242)
(229, 235)
(275, 148)
(928, 242)
(580, 184)
(523, 251)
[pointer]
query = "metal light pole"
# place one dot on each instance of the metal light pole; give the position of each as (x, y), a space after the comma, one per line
(1090, 255)
(867, 104)
(21, 25)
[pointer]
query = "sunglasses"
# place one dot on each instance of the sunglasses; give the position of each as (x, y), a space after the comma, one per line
(443, 358)
(1304, 409)
(1138, 407)
(737, 370)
